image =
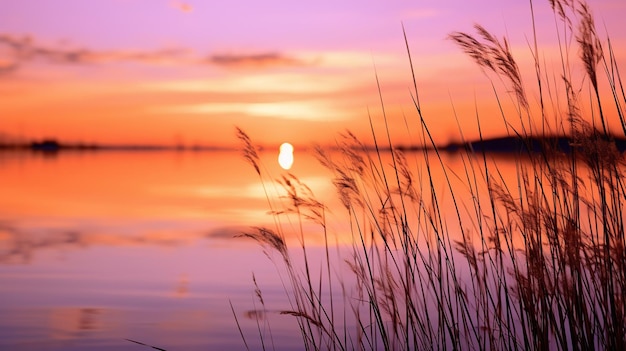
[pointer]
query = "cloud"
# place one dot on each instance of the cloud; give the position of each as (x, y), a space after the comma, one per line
(7, 67)
(255, 60)
(15, 51)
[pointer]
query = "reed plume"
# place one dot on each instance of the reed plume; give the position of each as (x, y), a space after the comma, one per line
(532, 262)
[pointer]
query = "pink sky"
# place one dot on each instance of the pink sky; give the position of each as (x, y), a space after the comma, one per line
(148, 71)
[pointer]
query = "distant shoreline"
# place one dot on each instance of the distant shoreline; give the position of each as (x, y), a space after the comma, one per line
(503, 145)
(53, 146)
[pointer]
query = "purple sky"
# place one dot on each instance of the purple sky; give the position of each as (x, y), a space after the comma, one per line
(171, 71)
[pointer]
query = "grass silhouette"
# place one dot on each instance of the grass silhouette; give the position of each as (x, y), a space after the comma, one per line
(536, 261)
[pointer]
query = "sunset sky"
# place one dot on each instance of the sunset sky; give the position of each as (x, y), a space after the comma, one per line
(173, 72)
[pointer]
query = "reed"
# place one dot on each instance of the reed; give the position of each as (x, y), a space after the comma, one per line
(534, 262)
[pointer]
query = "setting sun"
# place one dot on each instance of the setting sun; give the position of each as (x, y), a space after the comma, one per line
(285, 157)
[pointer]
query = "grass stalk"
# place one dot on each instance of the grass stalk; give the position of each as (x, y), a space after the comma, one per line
(473, 257)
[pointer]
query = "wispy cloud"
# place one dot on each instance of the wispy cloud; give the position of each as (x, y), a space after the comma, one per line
(7, 66)
(255, 60)
(15, 51)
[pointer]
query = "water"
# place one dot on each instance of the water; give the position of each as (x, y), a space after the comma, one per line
(100, 247)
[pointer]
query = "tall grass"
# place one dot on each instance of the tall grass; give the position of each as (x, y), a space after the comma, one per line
(534, 261)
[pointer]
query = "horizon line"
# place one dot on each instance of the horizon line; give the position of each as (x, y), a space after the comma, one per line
(495, 144)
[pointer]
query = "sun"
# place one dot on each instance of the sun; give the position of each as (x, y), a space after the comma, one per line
(285, 157)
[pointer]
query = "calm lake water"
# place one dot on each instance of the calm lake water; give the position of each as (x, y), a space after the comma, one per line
(100, 247)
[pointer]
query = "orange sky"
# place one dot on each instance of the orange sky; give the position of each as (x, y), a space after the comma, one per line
(139, 71)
